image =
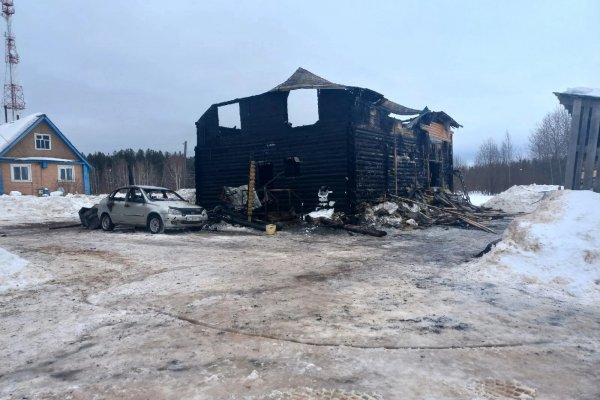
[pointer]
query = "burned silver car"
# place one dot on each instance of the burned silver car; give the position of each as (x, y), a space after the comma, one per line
(154, 207)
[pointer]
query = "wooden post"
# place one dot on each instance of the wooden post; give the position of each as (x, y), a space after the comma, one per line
(251, 190)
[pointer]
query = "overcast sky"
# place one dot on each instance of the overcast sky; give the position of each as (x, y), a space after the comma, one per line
(138, 74)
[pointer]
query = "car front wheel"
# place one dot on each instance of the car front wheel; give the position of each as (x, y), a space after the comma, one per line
(106, 223)
(155, 224)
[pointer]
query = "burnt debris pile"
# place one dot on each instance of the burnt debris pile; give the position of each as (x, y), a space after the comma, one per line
(416, 209)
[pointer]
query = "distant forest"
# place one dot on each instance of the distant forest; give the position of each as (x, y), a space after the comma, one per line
(497, 166)
(148, 167)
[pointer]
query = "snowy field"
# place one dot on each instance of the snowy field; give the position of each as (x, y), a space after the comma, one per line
(303, 314)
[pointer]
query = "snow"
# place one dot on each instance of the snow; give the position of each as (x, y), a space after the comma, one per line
(253, 375)
(387, 206)
(44, 159)
(15, 193)
(10, 267)
(478, 198)
(324, 213)
(327, 311)
(520, 198)
(11, 130)
(584, 91)
(554, 250)
(34, 209)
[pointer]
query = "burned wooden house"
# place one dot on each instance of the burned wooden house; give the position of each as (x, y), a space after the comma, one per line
(362, 147)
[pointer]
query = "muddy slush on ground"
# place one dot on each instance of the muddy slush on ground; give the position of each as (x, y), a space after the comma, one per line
(298, 315)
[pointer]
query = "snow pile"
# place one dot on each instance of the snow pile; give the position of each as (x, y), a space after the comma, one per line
(478, 198)
(34, 209)
(554, 250)
(10, 267)
(520, 198)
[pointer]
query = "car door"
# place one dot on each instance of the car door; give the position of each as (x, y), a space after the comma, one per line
(116, 205)
(134, 210)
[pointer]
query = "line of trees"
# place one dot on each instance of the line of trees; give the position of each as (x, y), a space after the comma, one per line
(500, 166)
(147, 167)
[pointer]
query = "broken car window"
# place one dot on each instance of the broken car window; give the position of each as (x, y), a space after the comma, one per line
(162, 195)
(119, 195)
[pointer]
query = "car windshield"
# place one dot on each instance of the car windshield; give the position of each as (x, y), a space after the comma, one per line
(162, 195)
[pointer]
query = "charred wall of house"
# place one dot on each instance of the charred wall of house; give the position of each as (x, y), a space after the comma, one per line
(266, 136)
(391, 158)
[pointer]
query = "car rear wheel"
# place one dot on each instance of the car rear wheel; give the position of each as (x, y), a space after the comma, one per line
(155, 224)
(106, 223)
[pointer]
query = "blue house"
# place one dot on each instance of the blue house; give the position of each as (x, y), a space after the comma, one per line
(36, 155)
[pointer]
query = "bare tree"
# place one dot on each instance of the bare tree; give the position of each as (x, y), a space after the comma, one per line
(489, 159)
(459, 163)
(488, 154)
(175, 167)
(507, 154)
(550, 140)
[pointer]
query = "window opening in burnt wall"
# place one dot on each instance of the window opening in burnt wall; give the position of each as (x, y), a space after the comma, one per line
(303, 107)
(229, 116)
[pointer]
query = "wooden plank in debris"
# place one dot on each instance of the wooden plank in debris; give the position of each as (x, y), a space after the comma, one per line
(456, 213)
(475, 224)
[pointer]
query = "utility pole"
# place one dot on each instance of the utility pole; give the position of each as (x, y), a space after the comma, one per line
(185, 164)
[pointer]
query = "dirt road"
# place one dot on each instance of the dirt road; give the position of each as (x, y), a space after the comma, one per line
(239, 315)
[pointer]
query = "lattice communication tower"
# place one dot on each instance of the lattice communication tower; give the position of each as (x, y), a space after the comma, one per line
(13, 92)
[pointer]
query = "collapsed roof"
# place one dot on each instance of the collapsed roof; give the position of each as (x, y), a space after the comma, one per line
(304, 79)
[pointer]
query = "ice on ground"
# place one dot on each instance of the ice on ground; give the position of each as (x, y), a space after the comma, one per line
(478, 198)
(10, 268)
(554, 250)
(33, 209)
(520, 198)
(253, 375)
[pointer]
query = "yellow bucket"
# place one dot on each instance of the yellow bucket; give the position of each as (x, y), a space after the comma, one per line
(270, 229)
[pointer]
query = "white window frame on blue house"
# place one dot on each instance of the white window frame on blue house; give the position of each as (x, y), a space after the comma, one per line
(66, 169)
(13, 167)
(43, 139)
